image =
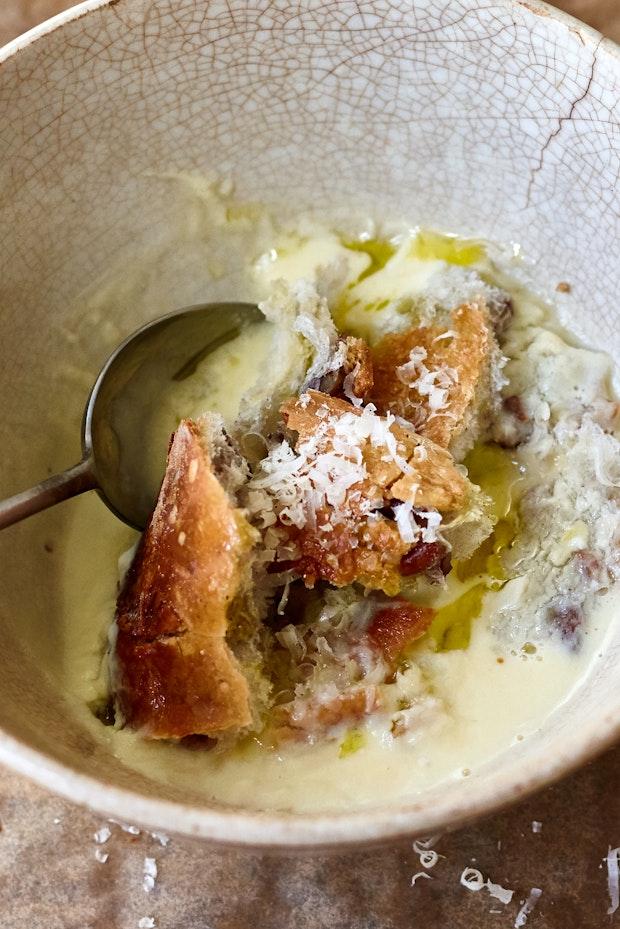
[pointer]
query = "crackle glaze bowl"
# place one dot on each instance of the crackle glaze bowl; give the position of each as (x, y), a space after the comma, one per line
(497, 119)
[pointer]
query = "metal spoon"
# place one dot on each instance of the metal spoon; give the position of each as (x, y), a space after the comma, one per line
(124, 434)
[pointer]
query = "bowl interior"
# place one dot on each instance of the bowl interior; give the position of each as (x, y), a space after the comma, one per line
(494, 121)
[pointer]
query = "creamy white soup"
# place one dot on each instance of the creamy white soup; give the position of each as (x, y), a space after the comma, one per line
(500, 628)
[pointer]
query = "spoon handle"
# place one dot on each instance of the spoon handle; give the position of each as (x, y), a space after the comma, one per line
(60, 487)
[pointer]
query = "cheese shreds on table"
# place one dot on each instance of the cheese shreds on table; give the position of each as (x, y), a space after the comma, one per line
(418, 875)
(427, 855)
(532, 899)
(613, 880)
(150, 874)
(500, 893)
(473, 880)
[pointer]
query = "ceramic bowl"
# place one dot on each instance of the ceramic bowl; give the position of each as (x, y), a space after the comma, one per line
(496, 119)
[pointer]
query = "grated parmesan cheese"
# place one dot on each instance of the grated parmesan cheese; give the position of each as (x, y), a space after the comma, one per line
(500, 893)
(613, 880)
(533, 897)
(132, 830)
(347, 386)
(434, 385)
(473, 880)
(150, 874)
(292, 486)
(448, 334)
(428, 856)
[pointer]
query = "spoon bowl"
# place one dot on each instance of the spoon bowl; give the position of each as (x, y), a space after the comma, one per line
(127, 425)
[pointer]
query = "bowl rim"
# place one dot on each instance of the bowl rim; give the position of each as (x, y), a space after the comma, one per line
(281, 830)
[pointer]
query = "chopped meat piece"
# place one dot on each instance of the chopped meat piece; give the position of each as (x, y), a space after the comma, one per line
(435, 377)
(514, 405)
(567, 619)
(397, 626)
(590, 566)
(175, 675)
(424, 556)
(512, 425)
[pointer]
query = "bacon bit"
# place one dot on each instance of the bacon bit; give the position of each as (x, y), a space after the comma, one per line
(395, 627)
(567, 619)
(514, 405)
(422, 557)
(587, 564)
(563, 287)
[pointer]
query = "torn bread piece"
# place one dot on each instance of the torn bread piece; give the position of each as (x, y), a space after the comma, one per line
(357, 495)
(354, 380)
(346, 664)
(441, 378)
(305, 348)
(174, 673)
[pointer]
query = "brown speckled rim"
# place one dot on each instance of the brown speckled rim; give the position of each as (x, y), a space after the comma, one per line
(516, 780)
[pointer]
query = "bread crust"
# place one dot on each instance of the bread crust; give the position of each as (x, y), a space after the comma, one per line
(360, 549)
(434, 481)
(174, 674)
(467, 352)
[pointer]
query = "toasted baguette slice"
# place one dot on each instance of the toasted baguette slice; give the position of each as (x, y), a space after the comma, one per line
(440, 377)
(174, 674)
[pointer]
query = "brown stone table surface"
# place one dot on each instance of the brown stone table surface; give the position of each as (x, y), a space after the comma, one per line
(50, 877)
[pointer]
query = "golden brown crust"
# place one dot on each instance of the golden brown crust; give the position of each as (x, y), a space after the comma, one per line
(434, 481)
(360, 549)
(358, 362)
(175, 675)
(467, 353)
